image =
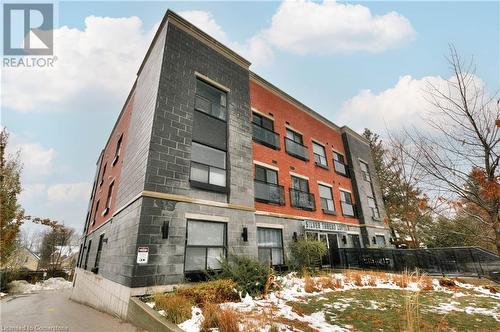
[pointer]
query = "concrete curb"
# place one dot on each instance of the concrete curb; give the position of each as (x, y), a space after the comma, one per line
(142, 316)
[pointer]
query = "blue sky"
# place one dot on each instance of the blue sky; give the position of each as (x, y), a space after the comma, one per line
(60, 119)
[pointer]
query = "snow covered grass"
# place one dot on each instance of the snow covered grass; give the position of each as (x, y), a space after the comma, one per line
(355, 300)
(22, 286)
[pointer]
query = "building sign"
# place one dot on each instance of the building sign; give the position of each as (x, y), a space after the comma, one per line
(324, 226)
(142, 255)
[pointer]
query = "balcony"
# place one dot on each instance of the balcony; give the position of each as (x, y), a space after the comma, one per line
(269, 193)
(302, 200)
(266, 137)
(295, 149)
(347, 209)
(341, 168)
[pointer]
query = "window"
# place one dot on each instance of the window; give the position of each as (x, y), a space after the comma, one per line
(325, 194)
(210, 100)
(266, 186)
(380, 240)
(205, 245)
(208, 166)
(103, 172)
(354, 239)
(300, 196)
(96, 211)
(365, 171)
(266, 175)
(270, 246)
(294, 145)
(373, 206)
(319, 155)
(339, 163)
(98, 254)
(292, 135)
(87, 254)
(108, 199)
(263, 131)
(118, 149)
(346, 203)
(263, 121)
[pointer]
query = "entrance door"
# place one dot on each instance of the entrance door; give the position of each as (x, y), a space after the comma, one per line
(334, 246)
(325, 260)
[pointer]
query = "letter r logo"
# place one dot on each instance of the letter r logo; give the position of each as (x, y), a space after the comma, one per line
(28, 29)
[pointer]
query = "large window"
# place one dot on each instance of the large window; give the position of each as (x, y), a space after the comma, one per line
(98, 254)
(294, 145)
(346, 203)
(263, 131)
(118, 149)
(205, 245)
(96, 211)
(270, 245)
(300, 196)
(108, 199)
(266, 186)
(327, 205)
(373, 207)
(365, 171)
(102, 175)
(319, 155)
(380, 240)
(210, 100)
(89, 245)
(208, 166)
(339, 164)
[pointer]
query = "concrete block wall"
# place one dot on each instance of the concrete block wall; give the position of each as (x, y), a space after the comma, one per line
(356, 149)
(170, 150)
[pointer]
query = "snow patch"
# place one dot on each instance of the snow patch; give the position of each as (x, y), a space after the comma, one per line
(23, 287)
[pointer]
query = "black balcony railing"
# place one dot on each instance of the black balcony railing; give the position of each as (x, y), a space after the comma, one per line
(266, 137)
(269, 193)
(302, 200)
(296, 149)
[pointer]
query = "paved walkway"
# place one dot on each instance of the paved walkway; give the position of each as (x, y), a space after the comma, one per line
(54, 311)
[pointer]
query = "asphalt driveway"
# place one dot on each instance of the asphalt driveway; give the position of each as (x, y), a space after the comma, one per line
(53, 311)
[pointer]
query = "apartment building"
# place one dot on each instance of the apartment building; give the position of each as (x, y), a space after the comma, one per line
(208, 159)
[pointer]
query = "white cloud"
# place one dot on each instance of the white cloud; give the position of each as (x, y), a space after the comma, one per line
(36, 159)
(69, 192)
(95, 68)
(307, 27)
(32, 192)
(404, 105)
(206, 22)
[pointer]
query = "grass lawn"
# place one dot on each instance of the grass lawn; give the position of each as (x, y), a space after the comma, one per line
(372, 309)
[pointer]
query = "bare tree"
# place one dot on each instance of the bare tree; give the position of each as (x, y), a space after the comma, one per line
(460, 154)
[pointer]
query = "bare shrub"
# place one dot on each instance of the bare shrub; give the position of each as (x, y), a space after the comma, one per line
(177, 307)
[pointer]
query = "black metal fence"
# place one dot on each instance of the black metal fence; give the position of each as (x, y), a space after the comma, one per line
(464, 261)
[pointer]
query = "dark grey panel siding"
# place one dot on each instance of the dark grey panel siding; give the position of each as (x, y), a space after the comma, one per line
(209, 131)
(133, 175)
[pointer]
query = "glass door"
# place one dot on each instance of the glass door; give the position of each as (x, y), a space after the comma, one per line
(333, 249)
(325, 260)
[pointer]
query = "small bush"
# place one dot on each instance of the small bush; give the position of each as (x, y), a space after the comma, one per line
(426, 283)
(308, 253)
(215, 291)
(249, 275)
(446, 282)
(224, 320)
(355, 277)
(309, 286)
(177, 307)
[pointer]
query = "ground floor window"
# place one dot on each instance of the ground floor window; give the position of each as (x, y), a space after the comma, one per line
(205, 245)
(270, 245)
(380, 240)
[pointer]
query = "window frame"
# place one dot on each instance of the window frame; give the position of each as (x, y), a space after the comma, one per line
(270, 248)
(109, 198)
(89, 246)
(343, 163)
(207, 185)
(224, 246)
(351, 203)
(366, 173)
(118, 149)
(98, 254)
(103, 173)
(296, 137)
(374, 209)
(321, 198)
(320, 157)
(198, 95)
(96, 212)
